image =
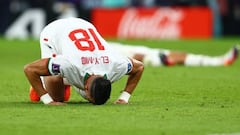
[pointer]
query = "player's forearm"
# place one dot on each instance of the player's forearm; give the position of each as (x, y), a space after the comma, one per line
(33, 71)
(34, 80)
(134, 76)
(33, 74)
(132, 81)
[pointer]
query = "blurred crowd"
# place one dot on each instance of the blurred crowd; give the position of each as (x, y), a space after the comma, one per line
(226, 12)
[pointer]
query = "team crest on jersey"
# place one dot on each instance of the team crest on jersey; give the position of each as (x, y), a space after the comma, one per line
(55, 68)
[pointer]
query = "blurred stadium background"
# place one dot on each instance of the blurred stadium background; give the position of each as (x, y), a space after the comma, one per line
(176, 19)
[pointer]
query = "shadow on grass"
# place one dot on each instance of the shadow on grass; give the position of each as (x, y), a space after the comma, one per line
(14, 104)
(9, 104)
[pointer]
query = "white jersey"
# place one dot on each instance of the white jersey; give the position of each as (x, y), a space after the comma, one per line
(151, 55)
(77, 50)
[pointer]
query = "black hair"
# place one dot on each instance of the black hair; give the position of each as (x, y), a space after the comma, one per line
(100, 90)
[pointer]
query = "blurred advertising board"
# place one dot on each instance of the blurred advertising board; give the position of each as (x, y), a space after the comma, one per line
(154, 23)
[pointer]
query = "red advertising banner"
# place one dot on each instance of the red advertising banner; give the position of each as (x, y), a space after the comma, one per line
(154, 23)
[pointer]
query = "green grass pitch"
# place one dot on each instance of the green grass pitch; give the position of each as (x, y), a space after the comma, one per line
(168, 100)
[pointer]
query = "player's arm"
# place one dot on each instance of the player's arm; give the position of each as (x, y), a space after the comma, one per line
(138, 56)
(33, 71)
(133, 78)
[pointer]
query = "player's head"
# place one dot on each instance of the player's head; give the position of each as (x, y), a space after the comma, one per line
(100, 90)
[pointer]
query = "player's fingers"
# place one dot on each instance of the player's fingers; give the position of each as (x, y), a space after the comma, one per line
(120, 101)
(56, 103)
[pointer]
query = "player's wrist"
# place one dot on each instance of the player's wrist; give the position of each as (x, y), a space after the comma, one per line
(46, 98)
(125, 96)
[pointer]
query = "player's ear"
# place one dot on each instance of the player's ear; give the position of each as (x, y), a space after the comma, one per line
(88, 95)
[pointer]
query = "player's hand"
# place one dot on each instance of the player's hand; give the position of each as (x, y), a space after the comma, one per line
(120, 101)
(56, 103)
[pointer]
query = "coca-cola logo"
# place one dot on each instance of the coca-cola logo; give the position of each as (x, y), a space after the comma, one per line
(161, 23)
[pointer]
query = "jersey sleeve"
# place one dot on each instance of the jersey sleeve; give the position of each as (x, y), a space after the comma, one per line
(129, 65)
(122, 68)
(62, 66)
(59, 66)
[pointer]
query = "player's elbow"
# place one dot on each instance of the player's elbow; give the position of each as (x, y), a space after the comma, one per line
(140, 67)
(27, 69)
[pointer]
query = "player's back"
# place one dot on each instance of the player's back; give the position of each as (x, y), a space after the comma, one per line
(68, 34)
(79, 41)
